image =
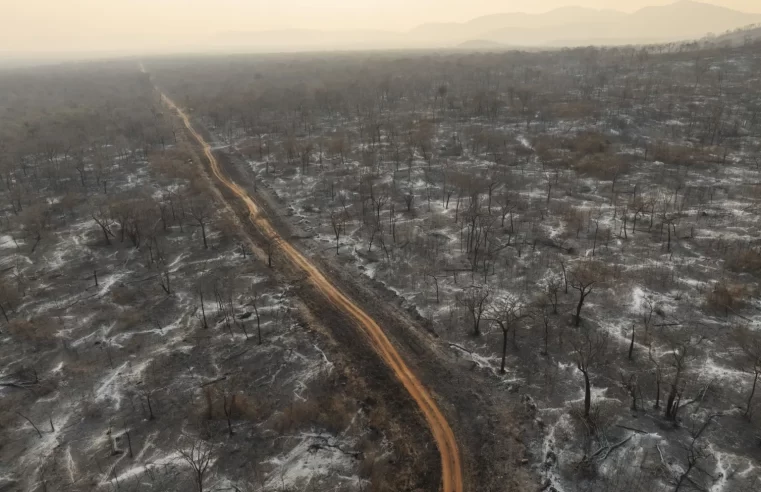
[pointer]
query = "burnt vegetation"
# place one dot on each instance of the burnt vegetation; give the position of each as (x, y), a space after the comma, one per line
(578, 229)
(579, 225)
(145, 344)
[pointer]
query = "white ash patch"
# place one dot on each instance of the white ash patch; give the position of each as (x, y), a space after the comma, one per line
(310, 462)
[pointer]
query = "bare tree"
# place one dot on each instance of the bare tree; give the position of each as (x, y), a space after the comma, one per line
(589, 349)
(749, 343)
(658, 373)
(476, 300)
(9, 298)
(271, 245)
(696, 452)
(165, 281)
(583, 279)
(507, 313)
(230, 403)
(198, 455)
(102, 216)
(255, 298)
(201, 209)
(682, 351)
(35, 220)
(338, 223)
(200, 289)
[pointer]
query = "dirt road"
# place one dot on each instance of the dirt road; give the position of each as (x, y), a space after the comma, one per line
(445, 441)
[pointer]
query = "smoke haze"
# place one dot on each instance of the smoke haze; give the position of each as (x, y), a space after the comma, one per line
(36, 27)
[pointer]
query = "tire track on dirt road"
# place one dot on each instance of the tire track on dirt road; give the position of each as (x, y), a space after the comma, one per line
(451, 468)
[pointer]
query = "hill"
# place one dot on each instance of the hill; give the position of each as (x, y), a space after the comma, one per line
(567, 26)
(574, 26)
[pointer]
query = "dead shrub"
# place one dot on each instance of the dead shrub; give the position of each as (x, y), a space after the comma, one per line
(378, 417)
(604, 166)
(12, 402)
(577, 109)
(547, 147)
(124, 296)
(81, 365)
(294, 416)
(130, 318)
(657, 277)
(589, 143)
(92, 410)
(673, 154)
(726, 297)
(748, 261)
(335, 413)
(246, 408)
(241, 407)
(602, 415)
(332, 413)
(35, 331)
(172, 164)
(374, 467)
(9, 296)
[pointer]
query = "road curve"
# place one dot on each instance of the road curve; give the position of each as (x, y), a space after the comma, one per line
(451, 469)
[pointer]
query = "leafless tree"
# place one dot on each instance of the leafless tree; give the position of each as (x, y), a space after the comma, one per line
(749, 343)
(255, 299)
(201, 209)
(476, 300)
(199, 455)
(589, 351)
(338, 224)
(583, 279)
(507, 313)
(696, 452)
(682, 349)
(102, 216)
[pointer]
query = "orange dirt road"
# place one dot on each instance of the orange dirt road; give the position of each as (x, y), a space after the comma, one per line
(451, 470)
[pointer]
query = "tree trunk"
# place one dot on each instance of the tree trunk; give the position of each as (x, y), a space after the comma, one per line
(5, 315)
(587, 394)
(504, 350)
(150, 407)
(129, 444)
(105, 235)
(657, 405)
(670, 414)
(203, 233)
(203, 312)
(577, 321)
(631, 345)
(752, 392)
(668, 246)
(258, 326)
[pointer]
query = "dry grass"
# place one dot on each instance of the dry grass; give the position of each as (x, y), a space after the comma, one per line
(240, 406)
(748, 261)
(333, 414)
(603, 166)
(126, 296)
(726, 297)
(589, 143)
(37, 331)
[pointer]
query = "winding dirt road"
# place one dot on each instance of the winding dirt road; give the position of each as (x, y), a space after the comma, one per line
(451, 470)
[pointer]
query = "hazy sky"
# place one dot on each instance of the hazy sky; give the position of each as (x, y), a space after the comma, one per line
(43, 25)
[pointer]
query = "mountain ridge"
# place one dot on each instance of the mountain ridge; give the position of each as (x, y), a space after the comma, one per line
(682, 20)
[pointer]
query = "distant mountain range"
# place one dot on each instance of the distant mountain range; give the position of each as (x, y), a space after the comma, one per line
(567, 26)
(737, 37)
